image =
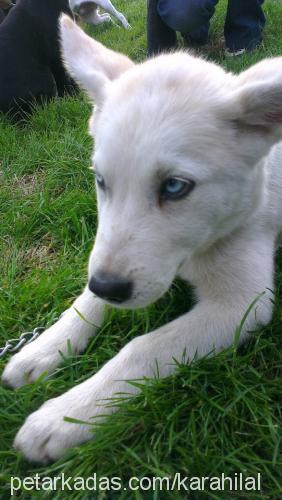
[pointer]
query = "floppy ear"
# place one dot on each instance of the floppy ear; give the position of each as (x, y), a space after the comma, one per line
(259, 96)
(91, 64)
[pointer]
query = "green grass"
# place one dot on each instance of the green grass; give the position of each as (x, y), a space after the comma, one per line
(216, 415)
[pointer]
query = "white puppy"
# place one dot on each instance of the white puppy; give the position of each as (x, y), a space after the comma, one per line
(189, 184)
(88, 10)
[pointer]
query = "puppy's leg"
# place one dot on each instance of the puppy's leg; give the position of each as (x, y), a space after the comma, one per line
(209, 326)
(108, 7)
(76, 326)
(96, 18)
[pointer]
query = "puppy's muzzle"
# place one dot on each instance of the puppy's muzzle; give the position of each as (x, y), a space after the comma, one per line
(110, 287)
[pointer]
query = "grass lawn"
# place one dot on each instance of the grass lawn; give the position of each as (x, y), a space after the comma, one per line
(216, 415)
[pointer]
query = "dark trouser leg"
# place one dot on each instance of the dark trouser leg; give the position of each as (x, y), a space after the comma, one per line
(244, 23)
(160, 36)
(190, 17)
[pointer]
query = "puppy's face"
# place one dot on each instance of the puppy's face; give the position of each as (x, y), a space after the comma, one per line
(4, 4)
(177, 167)
(82, 8)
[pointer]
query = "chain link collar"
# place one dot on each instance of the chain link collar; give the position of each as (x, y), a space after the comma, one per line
(15, 345)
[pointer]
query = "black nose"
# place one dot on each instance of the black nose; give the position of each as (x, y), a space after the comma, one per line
(110, 287)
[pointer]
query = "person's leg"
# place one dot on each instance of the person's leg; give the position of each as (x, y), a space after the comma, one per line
(190, 17)
(244, 23)
(160, 37)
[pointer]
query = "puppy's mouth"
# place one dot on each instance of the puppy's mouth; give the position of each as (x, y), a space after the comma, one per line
(137, 301)
(114, 301)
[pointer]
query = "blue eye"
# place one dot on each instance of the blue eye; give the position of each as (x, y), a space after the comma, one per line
(176, 188)
(100, 181)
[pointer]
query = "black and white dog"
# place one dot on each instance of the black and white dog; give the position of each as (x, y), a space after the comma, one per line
(30, 60)
(88, 11)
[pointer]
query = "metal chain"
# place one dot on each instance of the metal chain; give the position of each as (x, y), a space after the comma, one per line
(15, 345)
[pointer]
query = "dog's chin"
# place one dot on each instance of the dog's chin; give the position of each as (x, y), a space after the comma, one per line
(129, 304)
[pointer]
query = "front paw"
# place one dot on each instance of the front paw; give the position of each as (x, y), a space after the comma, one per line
(46, 436)
(106, 18)
(44, 354)
(124, 22)
(33, 360)
(25, 367)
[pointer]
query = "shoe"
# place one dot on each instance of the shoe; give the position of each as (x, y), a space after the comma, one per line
(234, 53)
(239, 52)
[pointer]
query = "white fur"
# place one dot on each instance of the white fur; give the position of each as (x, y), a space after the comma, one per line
(93, 16)
(175, 115)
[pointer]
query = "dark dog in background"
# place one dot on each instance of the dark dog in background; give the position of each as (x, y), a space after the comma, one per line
(30, 61)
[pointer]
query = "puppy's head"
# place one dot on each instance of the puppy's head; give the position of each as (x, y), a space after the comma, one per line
(179, 145)
(4, 4)
(82, 8)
